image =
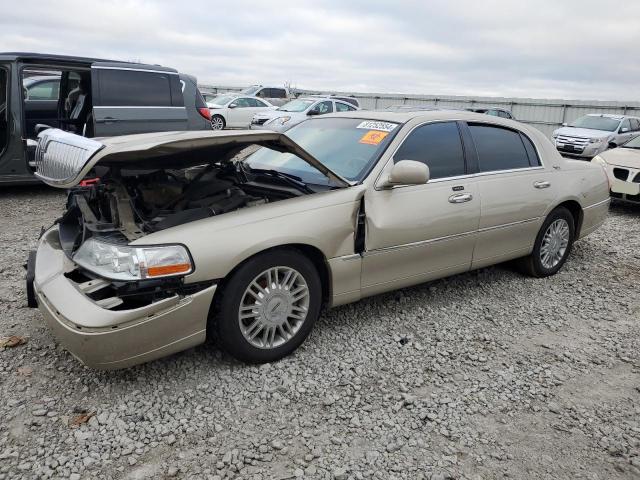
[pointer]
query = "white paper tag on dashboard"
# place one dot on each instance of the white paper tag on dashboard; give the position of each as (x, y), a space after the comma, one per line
(380, 126)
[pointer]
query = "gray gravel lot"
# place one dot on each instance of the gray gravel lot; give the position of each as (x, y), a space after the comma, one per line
(484, 375)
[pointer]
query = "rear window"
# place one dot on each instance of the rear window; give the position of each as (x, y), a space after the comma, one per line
(498, 148)
(135, 89)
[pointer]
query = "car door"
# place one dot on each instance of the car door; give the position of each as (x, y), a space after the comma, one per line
(624, 132)
(41, 103)
(240, 112)
(136, 99)
(420, 232)
(515, 191)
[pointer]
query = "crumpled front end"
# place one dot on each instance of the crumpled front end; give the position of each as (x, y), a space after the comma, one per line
(109, 328)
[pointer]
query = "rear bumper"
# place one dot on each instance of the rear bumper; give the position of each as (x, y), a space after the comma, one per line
(111, 339)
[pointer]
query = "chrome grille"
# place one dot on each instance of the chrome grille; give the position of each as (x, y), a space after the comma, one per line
(61, 156)
(575, 141)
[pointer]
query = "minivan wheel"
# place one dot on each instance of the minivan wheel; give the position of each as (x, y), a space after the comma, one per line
(553, 244)
(268, 306)
(217, 122)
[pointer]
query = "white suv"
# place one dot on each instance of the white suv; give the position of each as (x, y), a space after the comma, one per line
(592, 134)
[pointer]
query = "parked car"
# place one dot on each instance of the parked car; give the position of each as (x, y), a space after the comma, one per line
(90, 97)
(175, 241)
(343, 98)
(274, 95)
(594, 133)
(236, 111)
(493, 111)
(623, 169)
(296, 111)
(411, 108)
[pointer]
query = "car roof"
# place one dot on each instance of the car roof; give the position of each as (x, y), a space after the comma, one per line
(609, 115)
(426, 116)
(31, 57)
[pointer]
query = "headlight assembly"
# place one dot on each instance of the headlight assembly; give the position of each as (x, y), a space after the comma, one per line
(123, 262)
(280, 120)
(595, 140)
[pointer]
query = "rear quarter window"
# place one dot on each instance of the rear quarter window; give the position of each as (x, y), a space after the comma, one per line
(138, 89)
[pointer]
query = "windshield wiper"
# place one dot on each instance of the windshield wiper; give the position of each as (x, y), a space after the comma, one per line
(285, 177)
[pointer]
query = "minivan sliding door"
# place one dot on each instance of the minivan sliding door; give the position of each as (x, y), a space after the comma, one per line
(128, 99)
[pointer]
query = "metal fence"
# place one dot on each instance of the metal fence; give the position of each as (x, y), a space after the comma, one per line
(544, 114)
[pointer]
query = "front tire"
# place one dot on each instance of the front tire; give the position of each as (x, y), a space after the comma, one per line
(218, 122)
(552, 246)
(269, 306)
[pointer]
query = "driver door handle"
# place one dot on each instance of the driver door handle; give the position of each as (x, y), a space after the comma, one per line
(460, 198)
(542, 184)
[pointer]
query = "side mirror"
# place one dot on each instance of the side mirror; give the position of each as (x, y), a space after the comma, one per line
(613, 145)
(565, 124)
(313, 112)
(233, 105)
(624, 130)
(407, 172)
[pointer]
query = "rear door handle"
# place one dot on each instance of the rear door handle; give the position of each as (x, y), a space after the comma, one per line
(460, 198)
(542, 184)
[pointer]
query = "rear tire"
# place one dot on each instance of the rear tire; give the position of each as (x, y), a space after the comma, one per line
(218, 122)
(552, 246)
(268, 307)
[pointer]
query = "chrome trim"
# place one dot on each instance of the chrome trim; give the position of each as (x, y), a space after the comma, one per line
(60, 156)
(346, 258)
(606, 200)
(100, 67)
(510, 224)
(136, 106)
(446, 237)
(417, 244)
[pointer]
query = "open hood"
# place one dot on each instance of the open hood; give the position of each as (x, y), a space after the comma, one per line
(63, 159)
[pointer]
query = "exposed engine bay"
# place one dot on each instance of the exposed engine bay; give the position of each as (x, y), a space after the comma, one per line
(122, 206)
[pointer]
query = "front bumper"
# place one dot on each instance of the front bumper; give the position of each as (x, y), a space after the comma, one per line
(589, 151)
(625, 183)
(110, 339)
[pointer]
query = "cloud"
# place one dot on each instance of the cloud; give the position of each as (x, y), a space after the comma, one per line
(569, 49)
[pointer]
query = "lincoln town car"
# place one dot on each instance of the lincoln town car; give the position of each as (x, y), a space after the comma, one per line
(169, 239)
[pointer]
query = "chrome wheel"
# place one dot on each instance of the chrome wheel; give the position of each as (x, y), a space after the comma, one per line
(217, 123)
(554, 243)
(273, 307)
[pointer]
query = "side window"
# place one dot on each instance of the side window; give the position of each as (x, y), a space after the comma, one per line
(242, 102)
(625, 124)
(534, 160)
(278, 93)
(493, 113)
(504, 114)
(498, 148)
(259, 103)
(323, 107)
(263, 93)
(134, 89)
(343, 107)
(635, 125)
(47, 90)
(436, 144)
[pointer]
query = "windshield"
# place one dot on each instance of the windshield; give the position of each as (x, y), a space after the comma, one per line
(596, 123)
(250, 90)
(347, 146)
(222, 99)
(633, 143)
(296, 105)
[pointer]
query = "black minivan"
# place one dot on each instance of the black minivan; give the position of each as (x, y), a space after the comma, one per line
(90, 97)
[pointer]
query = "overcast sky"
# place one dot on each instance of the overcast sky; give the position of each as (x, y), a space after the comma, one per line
(544, 49)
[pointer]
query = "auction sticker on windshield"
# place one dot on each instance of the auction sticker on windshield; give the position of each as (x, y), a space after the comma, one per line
(373, 137)
(380, 126)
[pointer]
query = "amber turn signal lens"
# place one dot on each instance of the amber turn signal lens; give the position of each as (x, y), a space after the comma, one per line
(168, 269)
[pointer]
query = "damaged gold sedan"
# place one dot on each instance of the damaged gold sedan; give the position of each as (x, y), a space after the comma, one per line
(166, 239)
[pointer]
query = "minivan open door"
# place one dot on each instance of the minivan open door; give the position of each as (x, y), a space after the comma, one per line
(135, 99)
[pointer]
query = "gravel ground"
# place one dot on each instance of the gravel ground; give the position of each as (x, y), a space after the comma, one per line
(484, 375)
